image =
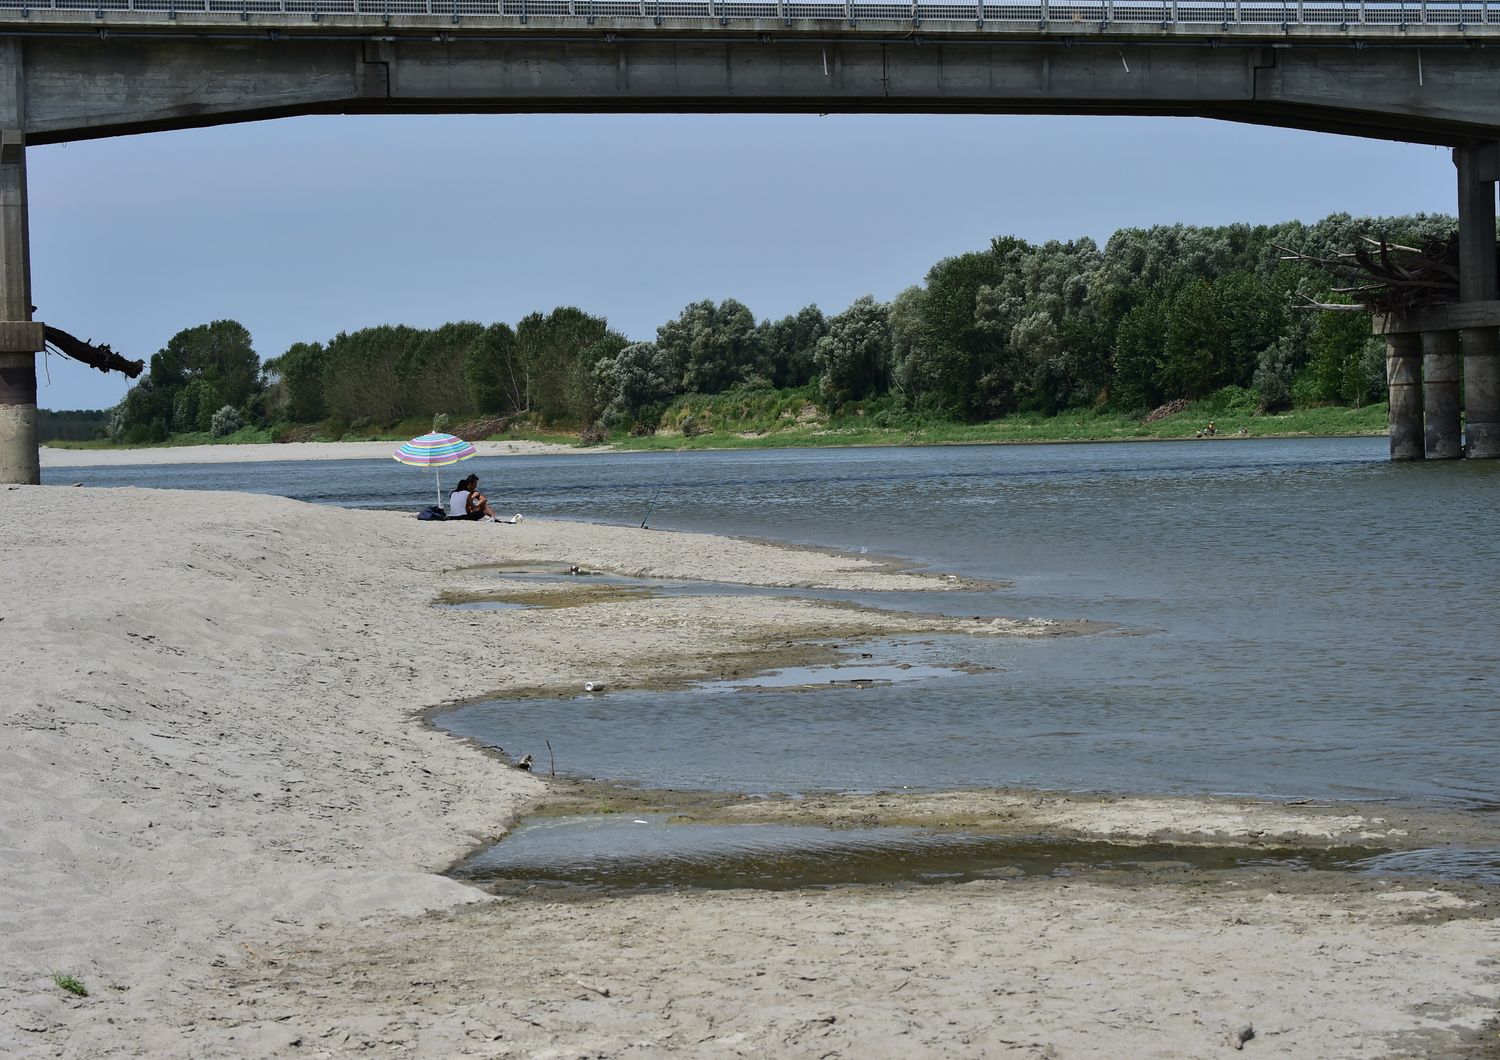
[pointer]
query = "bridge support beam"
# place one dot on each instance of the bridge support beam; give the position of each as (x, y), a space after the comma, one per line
(1403, 376)
(1440, 395)
(1478, 168)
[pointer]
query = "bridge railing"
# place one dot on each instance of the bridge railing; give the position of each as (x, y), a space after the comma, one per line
(1324, 13)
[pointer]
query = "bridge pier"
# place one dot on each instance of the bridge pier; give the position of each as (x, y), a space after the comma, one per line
(20, 338)
(1440, 395)
(1478, 168)
(1403, 376)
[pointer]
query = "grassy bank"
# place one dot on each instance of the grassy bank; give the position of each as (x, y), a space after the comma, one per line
(770, 419)
(862, 427)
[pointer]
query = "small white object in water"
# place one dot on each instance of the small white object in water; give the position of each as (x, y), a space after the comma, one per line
(639, 821)
(593, 686)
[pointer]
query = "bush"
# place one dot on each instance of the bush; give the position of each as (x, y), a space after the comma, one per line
(592, 434)
(1274, 376)
(1230, 400)
(225, 422)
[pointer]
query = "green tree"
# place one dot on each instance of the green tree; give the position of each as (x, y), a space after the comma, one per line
(787, 346)
(1195, 342)
(194, 406)
(362, 376)
(552, 350)
(216, 360)
(596, 384)
(296, 377)
(712, 346)
(1339, 367)
(143, 413)
(221, 354)
(1138, 354)
(854, 357)
(431, 369)
(956, 340)
(1254, 312)
(638, 383)
(494, 374)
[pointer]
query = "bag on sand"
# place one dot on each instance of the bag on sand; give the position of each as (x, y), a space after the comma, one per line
(432, 511)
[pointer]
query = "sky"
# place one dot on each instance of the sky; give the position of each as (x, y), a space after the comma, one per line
(300, 228)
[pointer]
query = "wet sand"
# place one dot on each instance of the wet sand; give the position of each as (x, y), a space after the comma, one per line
(227, 817)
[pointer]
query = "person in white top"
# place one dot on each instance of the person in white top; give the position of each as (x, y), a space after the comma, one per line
(466, 502)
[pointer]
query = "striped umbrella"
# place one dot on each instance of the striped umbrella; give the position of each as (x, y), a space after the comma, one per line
(434, 451)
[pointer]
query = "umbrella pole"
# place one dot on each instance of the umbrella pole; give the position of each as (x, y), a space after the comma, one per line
(437, 482)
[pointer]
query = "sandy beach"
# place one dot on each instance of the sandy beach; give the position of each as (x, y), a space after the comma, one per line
(227, 816)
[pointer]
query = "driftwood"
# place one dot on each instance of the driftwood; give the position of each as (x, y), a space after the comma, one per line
(100, 357)
(1389, 278)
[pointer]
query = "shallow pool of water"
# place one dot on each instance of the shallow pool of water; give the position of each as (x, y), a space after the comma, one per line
(616, 852)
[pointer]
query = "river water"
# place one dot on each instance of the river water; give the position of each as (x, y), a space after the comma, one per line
(1294, 618)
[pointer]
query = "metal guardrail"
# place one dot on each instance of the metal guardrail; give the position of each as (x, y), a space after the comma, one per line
(1340, 14)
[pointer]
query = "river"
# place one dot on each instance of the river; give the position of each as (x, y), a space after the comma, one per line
(1292, 617)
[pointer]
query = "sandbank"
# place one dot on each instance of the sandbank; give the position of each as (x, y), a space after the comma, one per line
(227, 817)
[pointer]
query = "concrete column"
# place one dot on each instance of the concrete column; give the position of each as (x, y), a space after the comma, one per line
(20, 339)
(1481, 348)
(1477, 283)
(1440, 400)
(1403, 377)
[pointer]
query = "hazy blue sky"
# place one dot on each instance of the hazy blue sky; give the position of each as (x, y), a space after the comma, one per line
(304, 227)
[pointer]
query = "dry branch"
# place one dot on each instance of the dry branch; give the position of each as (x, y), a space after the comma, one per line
(100, 357)
(1389, 278)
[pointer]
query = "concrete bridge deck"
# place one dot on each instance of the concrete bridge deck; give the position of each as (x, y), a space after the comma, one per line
(145, 65)
(1353, 22)
(1434, 19)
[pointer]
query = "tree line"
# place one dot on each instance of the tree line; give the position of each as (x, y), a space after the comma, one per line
(1155, 315)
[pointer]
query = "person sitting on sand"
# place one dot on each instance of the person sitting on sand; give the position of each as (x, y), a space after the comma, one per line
(466, 502)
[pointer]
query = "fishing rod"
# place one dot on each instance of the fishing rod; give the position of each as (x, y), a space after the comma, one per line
(659, 487)
(652, 505)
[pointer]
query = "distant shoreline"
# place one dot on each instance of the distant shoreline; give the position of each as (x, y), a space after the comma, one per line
(232, 453)
(236, 453)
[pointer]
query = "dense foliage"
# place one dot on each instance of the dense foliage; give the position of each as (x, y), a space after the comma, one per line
(73, 425)
(1155, 315)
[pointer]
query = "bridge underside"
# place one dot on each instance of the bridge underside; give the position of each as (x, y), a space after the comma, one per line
(82, 86)
(71, 75)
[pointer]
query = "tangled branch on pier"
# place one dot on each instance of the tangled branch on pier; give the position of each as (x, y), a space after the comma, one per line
(1389, 278)
(100, 357)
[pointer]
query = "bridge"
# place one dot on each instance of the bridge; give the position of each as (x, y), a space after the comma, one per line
(1424, 72)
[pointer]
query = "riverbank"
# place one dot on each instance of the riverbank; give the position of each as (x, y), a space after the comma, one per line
(725, 431)
(722, 429)
(227, 820)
